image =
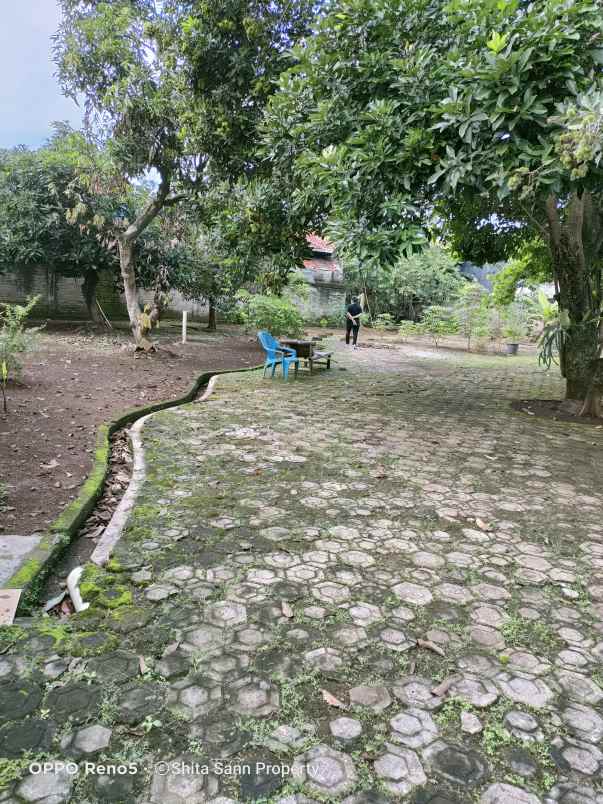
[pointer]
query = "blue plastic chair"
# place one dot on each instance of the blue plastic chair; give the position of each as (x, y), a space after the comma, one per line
(277, 354)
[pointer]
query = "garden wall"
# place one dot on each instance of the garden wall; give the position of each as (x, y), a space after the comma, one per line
(61, 297)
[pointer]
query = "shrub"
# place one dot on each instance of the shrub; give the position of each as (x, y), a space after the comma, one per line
(472, 312)
(515, 326)
(439, 321)
(15, 339)
(384, 322)
(409, 328)
(279, 316)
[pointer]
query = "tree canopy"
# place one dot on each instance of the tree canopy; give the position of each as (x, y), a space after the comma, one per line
(396, 109)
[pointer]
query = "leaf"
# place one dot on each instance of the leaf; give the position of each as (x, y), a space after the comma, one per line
(286, 609)
(332, 700)
(142, 665)
(443, 688)
(483, 525)
(425, 643)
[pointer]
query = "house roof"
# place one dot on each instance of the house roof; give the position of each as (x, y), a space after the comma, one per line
(317, 243)
(317, 264)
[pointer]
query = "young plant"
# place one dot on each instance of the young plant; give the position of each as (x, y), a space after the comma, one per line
(472, 312)
(15, 338)
(439, 321)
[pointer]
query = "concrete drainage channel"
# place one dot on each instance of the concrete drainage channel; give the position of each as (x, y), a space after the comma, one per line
(38, 568)
(104, 547)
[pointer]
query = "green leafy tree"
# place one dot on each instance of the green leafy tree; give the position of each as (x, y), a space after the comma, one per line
(396, 106)
(37, 189)
(175, 88)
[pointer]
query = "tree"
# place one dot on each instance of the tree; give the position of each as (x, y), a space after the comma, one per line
(36, 197)
(497, 101)
(175, 88)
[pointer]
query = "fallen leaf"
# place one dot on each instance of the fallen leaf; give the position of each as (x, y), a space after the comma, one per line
(286, 609)
(443, 688)
(425, 643)
(483, 525)
(332, 700)
(143, 665)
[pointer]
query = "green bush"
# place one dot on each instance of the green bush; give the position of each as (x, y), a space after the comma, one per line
(439, 321)
(384, 322)
(273, 313)
(515, 323)
(15, 339)
(471, 312)
(409, 328)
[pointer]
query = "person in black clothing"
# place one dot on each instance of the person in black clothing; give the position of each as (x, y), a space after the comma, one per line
(352, 322)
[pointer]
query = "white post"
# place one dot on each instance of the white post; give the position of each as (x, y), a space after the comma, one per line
(184, 317)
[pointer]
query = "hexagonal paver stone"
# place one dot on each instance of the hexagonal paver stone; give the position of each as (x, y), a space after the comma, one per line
(325, 771)
(522, 725)
(530, 691)
(577, 756)
(572, 794)
(160, 591)
(400, 770)
(32, 735)
(394, 639)
(365, 613)
(478, 692)
(190, 700)
(116, 667)
(52, 787)
(175, 782)
(139, 700)
(357, 558)
(19, 697)
(205, 638)
(254, 697)
(580, 688)
(584, 722)
(285, 738)
(329, 592)
(90, 740)
(326, 659)
(226, 613)
(416, 691)
(413, 593)
(507, 794)
(345, 728)
(78, 701)
(470, 723)
(375, 698)
(457, 764)
(413, 728)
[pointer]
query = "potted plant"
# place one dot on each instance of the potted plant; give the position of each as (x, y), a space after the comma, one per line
(515, 327)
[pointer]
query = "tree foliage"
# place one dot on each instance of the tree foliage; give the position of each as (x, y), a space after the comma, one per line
(395, 107)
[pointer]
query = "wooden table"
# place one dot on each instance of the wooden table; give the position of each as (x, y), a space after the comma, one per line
(306, 352)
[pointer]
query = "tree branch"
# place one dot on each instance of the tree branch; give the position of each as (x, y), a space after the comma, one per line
(151, 209)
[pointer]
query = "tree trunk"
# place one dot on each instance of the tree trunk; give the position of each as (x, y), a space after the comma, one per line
(574, 240)
(128, 274)
(89, 293)
(211, 321)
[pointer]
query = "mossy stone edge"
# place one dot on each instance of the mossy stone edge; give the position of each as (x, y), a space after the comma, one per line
(36, 567)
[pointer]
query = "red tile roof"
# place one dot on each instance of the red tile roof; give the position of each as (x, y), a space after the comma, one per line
(321, 265)
(317, 243)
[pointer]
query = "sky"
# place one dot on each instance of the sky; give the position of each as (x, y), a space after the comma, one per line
(30, 97)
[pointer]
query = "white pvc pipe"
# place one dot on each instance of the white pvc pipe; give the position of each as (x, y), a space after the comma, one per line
(184, 317)
(73, 580)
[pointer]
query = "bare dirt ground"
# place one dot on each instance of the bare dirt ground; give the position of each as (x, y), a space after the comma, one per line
(75, 381)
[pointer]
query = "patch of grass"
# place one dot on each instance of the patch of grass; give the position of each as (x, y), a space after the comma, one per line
(532, 634)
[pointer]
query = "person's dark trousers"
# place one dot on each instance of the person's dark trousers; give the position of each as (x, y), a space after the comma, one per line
(351, 328)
